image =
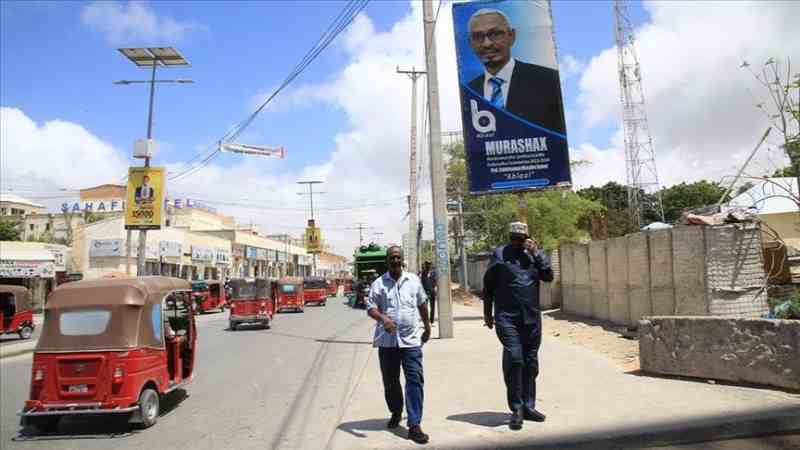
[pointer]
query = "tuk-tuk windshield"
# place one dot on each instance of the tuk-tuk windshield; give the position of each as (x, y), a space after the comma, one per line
(288, 288)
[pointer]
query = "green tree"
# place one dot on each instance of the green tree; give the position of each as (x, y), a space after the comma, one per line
(554, 216)
(614, 199)
(683, 196)
(10, 229)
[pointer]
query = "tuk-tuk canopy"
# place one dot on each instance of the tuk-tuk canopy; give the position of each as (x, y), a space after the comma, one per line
(22, 296)
(314, 283)
(102, 315)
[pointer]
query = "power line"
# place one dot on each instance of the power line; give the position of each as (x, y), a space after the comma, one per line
(339, 24)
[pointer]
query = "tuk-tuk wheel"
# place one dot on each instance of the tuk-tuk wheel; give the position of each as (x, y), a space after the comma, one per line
(148, 407)
(26, 332)
(232, 326)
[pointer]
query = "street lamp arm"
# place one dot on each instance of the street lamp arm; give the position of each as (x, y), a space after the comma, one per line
(179, 80)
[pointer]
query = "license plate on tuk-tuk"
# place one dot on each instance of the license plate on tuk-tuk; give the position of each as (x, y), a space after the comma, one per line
(78, 389)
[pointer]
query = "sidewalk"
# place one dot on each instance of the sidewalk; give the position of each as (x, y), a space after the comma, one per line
(589, 401)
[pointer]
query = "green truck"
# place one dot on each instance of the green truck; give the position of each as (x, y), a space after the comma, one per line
(369, 262)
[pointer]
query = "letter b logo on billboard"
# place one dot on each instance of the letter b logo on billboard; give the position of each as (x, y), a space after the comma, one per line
(482, 121)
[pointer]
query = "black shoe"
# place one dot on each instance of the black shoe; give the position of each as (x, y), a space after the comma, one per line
(416, 434)
(394, 421)
(534, 415)
(516, 420)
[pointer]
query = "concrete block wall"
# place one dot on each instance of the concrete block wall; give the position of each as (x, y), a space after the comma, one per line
(689, 270)
(617, 269)
(598, 277)
(662, 287)
(735, 275)
(555, 285)
(567, 265)
(583, 288)
(639, 297)
(762, 351)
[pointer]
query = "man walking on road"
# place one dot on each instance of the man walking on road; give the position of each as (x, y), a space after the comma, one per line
(429, 280)
(511, 285)
(397, 302)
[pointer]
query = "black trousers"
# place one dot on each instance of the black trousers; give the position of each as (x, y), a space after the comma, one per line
(432, 303)
(521, 343)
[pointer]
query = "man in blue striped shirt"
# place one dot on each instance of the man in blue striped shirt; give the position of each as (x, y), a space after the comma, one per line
(397, 301)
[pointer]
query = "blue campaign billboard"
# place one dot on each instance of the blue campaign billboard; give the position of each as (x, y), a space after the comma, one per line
(511, 106)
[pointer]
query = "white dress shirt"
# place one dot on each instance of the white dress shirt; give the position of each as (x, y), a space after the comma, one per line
(400, 301)
(505, 75)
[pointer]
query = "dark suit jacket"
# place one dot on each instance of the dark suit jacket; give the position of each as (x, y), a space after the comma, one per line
(138, 194)
(534, 95)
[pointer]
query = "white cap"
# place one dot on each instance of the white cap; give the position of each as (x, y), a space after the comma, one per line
(518, 228)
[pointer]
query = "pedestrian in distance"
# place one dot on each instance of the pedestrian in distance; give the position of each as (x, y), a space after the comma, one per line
(397, 302)
(429, 280)
(511, 306)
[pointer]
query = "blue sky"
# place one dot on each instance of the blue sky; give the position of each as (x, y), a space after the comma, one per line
(345, 120)
(57, 66)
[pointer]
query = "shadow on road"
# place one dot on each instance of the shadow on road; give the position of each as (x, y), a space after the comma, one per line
(641, 373)
(108, 426)
(358, 428)
(489, 419)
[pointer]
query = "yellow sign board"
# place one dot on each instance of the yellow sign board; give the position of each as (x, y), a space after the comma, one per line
(145, 198)
(313, 239)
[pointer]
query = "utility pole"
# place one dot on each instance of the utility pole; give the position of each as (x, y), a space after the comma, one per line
(440, 232)
(462, 248)
(411, 251)
(360, 227)
(310, 193)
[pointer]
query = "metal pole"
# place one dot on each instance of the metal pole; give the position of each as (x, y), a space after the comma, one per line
(437, 178)
(411, 251)
(463, 251)
(141, 257)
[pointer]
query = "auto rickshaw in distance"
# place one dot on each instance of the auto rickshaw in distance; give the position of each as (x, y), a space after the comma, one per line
(111, 347)
(16, 316)
(315, 290)
(332, 287)
(208, 295)
(251, 302)
(289, 294)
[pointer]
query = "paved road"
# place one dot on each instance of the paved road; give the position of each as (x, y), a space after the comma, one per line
(280, 388)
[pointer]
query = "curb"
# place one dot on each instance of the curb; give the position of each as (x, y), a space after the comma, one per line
(17, 349)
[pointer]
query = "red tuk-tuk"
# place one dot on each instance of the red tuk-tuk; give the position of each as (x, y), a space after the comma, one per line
(315, 290)
(348, 285)
(15, 311)
(111, 347)
(289, 294)
(251, 302)
(333, 287)
(208, 295)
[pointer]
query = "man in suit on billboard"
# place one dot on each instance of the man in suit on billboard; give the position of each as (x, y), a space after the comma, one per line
(529, 91)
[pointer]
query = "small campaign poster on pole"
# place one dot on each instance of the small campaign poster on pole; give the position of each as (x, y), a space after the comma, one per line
(145, 198)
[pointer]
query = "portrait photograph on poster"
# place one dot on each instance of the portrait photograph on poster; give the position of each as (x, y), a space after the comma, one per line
(511, 103)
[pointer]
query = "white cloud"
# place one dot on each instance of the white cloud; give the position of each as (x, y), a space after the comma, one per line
(134, 23)
(569, 66)
(700, 105)
(54, 155)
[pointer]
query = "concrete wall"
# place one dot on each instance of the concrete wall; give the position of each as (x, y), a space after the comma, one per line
(662, 288)
(758, 351)
(567, 254)
(639, 297)
(598, 275)
(583, 288)
(618, 309)
(690, 270)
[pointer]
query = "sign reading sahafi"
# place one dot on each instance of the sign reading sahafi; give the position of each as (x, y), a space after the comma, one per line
(511, 105)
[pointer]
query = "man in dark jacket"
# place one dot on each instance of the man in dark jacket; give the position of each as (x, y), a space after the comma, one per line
(429, 280)
(511, 289)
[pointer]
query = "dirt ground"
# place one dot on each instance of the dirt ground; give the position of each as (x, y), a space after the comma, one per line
(603, 338)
